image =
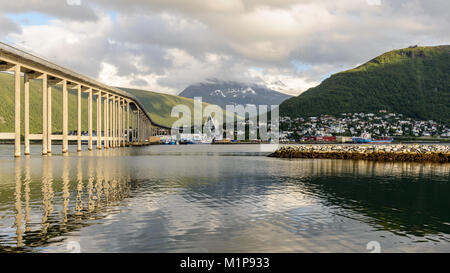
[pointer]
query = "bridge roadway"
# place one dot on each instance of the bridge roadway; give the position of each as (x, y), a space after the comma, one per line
(124, 118)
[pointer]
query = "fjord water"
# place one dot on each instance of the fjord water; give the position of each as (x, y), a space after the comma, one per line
(206, 198)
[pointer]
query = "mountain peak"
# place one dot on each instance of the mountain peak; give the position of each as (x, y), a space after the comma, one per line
(224, 93)
(399, 56)
(413, 81)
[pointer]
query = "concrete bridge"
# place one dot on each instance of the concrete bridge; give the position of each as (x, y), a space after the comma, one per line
(124, 119)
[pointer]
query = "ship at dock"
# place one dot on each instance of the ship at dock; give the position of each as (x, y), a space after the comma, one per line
(195, 139)
(212, 134)
(367, 138)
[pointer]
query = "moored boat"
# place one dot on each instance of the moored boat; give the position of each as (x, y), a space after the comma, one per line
(382, 140)
(366, 138)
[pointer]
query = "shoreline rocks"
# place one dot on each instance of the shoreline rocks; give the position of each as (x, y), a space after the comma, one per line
(405, 153)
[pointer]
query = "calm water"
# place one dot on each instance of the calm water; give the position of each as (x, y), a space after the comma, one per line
(205, 198)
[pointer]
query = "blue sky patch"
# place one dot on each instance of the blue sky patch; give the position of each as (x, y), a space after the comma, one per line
(30, 18)
(113, 16)
(257, 69)
(299, 66)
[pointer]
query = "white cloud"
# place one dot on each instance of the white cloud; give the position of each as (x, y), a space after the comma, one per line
(68, 43)
(165, 45)
(74, 2)
(374, 2)
(109, 73)
(282, 81)
(76, 10)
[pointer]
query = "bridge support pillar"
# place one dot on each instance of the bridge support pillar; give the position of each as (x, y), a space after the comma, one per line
(79, 119)
(99, 120)
(44, 114)
(138, 126)
(49, 120)
(128, 124)
(114, 108)
(134, 126)
(143, 129)
(135, 139)
(65, 142)
(122, 134)
(27, 114)
(105, 117)
(90, 120)
(116, 120)
(122, 109)
(111, 122)
(17, 124)
(119, 123)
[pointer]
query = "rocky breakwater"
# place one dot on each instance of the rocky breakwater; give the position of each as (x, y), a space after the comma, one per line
(407, 153)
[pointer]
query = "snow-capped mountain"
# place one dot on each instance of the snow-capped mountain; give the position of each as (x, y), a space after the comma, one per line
(224, 93)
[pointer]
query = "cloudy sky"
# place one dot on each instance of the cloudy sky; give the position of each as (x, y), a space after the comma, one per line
(166, 45)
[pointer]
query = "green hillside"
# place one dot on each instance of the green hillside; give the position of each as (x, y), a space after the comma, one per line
(413, 81)
(7, 107)
(159, 106)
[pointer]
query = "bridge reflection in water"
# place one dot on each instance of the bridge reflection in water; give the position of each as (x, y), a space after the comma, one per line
(49, 205)
(215, 199)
